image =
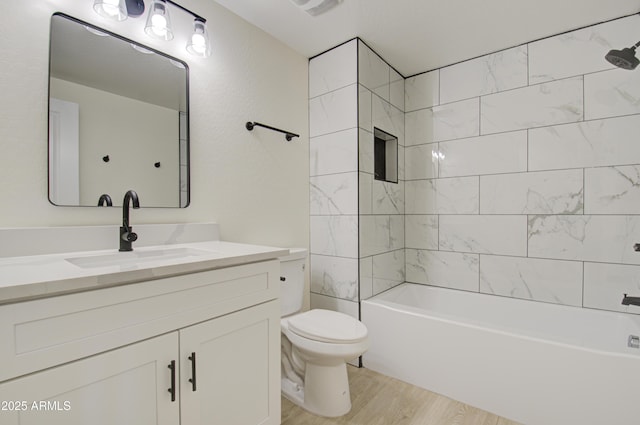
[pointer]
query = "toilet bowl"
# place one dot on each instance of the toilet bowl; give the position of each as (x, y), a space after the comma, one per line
(316, 345)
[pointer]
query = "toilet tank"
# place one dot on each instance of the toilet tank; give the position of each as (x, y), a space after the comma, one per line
(292, 281)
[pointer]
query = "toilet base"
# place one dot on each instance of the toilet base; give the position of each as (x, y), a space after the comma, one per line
(325, 393)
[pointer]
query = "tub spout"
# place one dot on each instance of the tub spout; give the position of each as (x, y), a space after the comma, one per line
(630, 300)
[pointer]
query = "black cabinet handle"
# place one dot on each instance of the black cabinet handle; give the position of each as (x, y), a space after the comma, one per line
(192, 357)
(172, 390)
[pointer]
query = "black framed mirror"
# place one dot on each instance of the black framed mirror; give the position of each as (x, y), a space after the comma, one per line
(118, 119)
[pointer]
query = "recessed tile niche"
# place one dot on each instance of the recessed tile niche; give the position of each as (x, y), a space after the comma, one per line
(385, 156)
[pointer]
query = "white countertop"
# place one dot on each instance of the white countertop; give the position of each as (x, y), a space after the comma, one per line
(37, 276)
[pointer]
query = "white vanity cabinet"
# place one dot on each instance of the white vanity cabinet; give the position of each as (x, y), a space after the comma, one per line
(128, 385)
(237, 382)
(103, 357)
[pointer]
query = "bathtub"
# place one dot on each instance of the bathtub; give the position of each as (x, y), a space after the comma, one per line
(531, 362)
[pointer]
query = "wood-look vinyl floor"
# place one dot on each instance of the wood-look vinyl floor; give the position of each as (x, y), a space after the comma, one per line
(380, 400)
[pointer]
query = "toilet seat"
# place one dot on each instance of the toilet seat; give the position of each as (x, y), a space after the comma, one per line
(328, 326)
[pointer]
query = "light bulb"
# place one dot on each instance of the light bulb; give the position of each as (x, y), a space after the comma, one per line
(158, 21)
(159, 25)
(199, 44)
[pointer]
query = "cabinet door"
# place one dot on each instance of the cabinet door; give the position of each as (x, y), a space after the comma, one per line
(237, 372)
(127, 386)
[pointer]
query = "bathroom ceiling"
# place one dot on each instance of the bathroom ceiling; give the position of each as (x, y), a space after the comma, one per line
(419, 35)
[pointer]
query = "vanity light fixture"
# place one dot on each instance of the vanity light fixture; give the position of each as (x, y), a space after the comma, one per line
(135, 8)
(158, 23)
(112, 9)
(199, 43)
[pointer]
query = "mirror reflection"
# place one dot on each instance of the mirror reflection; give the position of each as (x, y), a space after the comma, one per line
(118, 119)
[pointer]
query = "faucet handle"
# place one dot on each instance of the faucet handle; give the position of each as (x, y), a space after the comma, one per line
(126, 237)
(636, 247)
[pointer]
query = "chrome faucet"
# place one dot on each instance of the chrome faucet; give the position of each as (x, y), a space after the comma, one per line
(105, 200)
(630, 300)
(126, 232)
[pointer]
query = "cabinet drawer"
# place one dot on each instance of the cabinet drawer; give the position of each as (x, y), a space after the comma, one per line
(46, 332)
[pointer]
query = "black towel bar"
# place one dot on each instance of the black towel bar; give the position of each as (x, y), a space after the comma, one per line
(287, 134)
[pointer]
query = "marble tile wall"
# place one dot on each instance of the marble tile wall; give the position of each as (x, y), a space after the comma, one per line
(523, 173)
(382, 204)
(334, 178)
(357, 222)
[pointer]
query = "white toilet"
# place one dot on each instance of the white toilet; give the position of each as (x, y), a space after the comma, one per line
(316, 345)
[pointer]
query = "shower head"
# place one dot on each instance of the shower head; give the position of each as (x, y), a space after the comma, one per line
(625, 58)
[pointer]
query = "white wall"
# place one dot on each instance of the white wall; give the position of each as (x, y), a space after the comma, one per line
(254, 184)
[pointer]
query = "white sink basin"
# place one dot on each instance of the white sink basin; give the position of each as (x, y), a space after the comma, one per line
(135, 257)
